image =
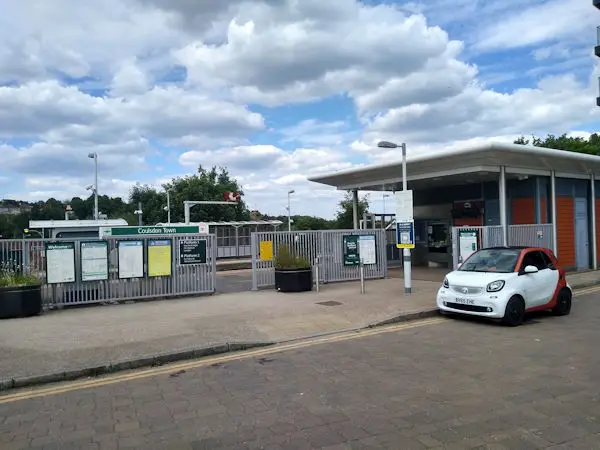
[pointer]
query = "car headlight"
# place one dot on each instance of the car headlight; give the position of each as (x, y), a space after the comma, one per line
(445, 283)
(495, 286)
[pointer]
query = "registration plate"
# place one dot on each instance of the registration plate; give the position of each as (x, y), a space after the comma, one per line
(464, 301)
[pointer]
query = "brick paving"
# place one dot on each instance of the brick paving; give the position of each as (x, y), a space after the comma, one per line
(459, 384)
(73, 339)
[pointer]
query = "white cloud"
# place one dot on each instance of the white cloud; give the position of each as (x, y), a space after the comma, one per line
(160, 86)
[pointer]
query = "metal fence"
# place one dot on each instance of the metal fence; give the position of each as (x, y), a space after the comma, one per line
(29, 256)
(324, 248)
(534, 235)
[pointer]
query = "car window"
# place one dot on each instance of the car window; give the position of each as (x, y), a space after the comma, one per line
(491, 260)
(548, 261)
(534, 258)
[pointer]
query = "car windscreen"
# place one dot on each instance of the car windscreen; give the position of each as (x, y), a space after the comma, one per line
(491, 260)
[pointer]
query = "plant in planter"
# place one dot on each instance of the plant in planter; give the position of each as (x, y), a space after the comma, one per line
(293, 273)
(20, 294)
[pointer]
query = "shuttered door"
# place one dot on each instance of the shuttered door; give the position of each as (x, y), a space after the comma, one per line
(565, 231)
(523, 211)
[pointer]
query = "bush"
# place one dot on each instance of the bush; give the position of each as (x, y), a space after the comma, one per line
(12, 277)
(287, 259)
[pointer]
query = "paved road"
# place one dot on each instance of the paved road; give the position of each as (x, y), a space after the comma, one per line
(451, 384)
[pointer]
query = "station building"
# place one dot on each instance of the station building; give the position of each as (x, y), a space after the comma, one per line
(496, 186)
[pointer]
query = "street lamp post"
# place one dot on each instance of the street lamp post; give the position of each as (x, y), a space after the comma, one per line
(169, 206)
(383, 220)
(406, 260)
(289, 209)
(94, 156)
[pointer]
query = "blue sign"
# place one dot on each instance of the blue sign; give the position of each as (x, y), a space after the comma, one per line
(405, 234)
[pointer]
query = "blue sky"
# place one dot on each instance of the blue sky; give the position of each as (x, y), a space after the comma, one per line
(277, 90)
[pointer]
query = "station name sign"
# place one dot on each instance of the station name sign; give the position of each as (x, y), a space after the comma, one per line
(150, 230)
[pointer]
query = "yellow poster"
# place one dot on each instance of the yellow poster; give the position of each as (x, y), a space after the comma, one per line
(266, 250)
(159, 258)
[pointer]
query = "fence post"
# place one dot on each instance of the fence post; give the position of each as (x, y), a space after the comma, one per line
(317, 272)
(253, 248)
(361, 271)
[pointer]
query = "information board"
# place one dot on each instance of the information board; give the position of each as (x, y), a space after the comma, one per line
(367, 249)
(94, 261)
(404, 206)
(405, 235)
(351, 251)
(131, 259)
(60, 262)
(467, 244)
(266, 250)
(192, 251)
(159, 258)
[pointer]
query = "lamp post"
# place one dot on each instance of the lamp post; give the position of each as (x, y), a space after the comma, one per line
(94, 156)
(289, 209)
(383, 220)
(406, 261)
(169, 206)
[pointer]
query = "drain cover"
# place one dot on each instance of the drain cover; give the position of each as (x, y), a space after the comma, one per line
(329, 303)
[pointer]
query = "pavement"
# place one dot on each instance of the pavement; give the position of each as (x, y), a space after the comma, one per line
(433, 384)
(62, 343)
(88, 341)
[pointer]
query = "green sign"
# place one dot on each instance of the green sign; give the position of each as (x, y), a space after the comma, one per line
(192, 251)
(351, 251)
(150, 230)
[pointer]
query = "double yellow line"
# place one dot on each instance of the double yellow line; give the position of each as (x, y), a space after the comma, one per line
(178, 367)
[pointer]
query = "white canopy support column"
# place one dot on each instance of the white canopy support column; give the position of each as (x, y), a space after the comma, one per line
(553, 202)
(502, 202)
(593, 211)
(355, 208)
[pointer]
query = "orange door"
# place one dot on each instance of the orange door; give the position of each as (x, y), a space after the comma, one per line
(565, 230)
(523, 211)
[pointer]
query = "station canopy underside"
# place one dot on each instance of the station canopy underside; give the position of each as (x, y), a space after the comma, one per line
(465, 166)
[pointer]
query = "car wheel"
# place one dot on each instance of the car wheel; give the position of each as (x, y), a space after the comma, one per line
(563, 303)
(514, 312)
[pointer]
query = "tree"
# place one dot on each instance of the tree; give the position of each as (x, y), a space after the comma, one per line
(345, 218)
(574, 144)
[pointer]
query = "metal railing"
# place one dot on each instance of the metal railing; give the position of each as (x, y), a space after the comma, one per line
(534, 235)
(323, 248)
(29, 256)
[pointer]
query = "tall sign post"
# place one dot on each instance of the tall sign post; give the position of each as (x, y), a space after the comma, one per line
(405, 223)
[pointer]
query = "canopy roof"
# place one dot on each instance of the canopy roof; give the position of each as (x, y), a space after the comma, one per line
(464, 166)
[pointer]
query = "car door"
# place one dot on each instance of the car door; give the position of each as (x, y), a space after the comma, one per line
(551, 275)
(530, 282)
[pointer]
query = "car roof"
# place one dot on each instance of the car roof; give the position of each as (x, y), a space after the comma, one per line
(515, 247)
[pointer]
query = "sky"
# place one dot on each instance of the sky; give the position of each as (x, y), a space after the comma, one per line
(277, 90)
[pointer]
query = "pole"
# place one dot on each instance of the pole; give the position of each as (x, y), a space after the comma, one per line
(554, 224)
(168, 207)
(289, 214)
(96, 213)
(502, 201)
(361, 270)
(406, 260)
(140, 214)
(593, 210)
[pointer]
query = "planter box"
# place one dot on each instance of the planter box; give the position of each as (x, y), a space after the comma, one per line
(24, 301)
(293, 280)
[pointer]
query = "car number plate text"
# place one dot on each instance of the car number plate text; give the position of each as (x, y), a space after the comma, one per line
(464, 301)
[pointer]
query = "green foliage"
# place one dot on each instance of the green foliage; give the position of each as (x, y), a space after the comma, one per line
(11, 276)
(287, 258)
(345, 218)
(590, 146)
(204, 185)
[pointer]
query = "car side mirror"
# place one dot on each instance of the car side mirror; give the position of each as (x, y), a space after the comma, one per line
(530, 269)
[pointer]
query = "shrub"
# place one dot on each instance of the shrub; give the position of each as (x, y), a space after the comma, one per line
(11, 276)
(287, 259)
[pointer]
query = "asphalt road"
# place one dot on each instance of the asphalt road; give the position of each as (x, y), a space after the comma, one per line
(440, 383)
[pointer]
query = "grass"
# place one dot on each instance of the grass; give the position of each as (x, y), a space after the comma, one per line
(13, 279)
